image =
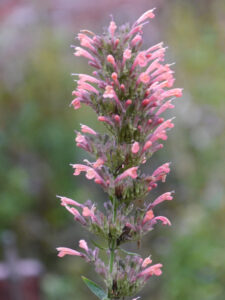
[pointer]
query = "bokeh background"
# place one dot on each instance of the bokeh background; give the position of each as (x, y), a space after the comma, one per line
(37, 142)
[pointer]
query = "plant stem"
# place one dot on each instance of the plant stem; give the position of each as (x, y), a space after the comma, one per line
(113, 242)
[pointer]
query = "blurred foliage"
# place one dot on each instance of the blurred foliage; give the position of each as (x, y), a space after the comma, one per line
(36, 147)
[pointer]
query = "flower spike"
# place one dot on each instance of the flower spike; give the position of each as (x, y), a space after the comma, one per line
(130, 90)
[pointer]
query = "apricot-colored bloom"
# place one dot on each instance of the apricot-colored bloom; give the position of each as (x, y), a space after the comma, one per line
(148, 216)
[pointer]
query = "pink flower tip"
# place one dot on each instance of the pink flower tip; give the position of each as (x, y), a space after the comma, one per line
(111, 59)
(112, 28)
(135, 148)
(67, 251)
(83, 245)
(117, 118)
(109, 92)
(152, 270)
(144, 77)
(127, 54)
(147, 261)
(164, 220)
(86, 129)
(147, 15)
(148, 216)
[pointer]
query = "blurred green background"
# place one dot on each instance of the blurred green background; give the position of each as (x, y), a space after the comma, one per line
(37, 141)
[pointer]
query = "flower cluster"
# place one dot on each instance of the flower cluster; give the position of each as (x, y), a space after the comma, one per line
(129, 90)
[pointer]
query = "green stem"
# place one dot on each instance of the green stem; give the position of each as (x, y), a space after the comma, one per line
(113, 242)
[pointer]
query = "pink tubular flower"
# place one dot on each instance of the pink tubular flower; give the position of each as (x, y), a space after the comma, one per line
(81, 52)
(137, 39)
(105, 119)
(74, 212)
(85, 77)
(173, 92)
(67, 201)
(79, 168)
(147, 145)
(86, 129)
(80, 139)
(99, 163)
(117, 119)
(126, 55)
(144, 77)
(162, 198)
(155, 47)
(135, 148)
(160, 132)
(89, 213)
(76, 103)
(109, 92)
(131, 172)
(164, 220)
(148, 216)
(87, 42)
(147, 15)
(83, 245)
(128, 102)
(115, 78)
(112, 28)
(111, 60)
(86, 86)
(150, 271)
(164, 169)
(92, 174)
(164, 107)
(140, 60)
(67, 251)
(147, 261)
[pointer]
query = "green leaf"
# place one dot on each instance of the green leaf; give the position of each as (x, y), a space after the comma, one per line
(128, 252)
(98, 246)
(98, 291)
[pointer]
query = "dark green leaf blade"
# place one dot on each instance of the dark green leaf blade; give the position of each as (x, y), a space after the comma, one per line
(98, 291)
